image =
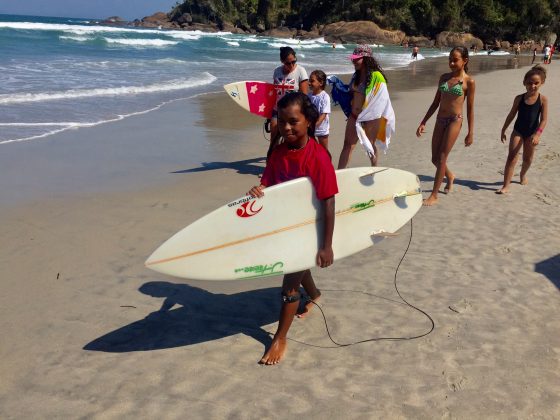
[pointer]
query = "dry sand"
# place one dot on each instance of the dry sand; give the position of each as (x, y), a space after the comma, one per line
(82, 335)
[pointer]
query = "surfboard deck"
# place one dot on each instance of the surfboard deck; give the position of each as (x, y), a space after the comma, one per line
(281, 232)
(256, 97)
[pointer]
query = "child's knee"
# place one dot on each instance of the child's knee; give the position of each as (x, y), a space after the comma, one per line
(442, 158)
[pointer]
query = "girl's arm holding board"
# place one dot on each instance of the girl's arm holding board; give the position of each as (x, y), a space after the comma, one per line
(325, 256)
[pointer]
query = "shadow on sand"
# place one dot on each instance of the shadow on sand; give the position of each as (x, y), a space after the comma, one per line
(202, 316)
(473, 185)
(551, 269)
(244, 167)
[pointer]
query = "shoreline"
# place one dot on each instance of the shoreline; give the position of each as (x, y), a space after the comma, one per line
(150, 146)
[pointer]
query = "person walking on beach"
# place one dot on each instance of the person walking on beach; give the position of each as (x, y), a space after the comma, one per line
(452, 90)
(546, 52)
(289, 77)
(532, 110)
(517, 49)
(322, 101)
(372, 119)
(534, 55)
(299, 155)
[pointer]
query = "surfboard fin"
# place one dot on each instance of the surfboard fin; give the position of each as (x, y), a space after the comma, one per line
(373, 172)
(383, 234)
(401, 194)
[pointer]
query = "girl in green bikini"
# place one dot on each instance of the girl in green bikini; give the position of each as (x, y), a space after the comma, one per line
(452, 90)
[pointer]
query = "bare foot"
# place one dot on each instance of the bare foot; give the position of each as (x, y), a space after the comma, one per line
(524, 181)
(503, 190)
(430, 201)
(308, 306)
(449, 186)
(275, 352)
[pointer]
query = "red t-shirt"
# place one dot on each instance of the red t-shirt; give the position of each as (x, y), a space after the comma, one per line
(312, 160)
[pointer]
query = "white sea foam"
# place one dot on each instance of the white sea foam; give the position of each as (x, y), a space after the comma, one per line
(75, 38)
(185, 36)
(292, 41)
(204, 79)
(141, 42)
(88, 29)
(296, 46)
(233, 43)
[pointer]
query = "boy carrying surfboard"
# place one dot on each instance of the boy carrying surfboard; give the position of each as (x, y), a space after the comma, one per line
(299, 155)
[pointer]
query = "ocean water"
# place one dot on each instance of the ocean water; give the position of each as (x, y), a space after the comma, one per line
(65, 73)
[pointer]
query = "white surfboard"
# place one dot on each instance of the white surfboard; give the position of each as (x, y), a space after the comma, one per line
(280, 233)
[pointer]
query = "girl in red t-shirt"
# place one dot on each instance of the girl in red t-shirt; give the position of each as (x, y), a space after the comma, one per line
(299, 155)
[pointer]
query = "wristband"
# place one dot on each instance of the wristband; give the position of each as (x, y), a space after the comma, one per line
(539, 130)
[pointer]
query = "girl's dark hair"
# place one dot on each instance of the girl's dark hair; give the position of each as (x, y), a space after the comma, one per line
(285, 52)
(371, 65)
(536, 70)
(320, 76)
(307, 108)
(464, 55)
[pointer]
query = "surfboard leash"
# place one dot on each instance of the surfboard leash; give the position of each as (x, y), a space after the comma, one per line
(400, 296)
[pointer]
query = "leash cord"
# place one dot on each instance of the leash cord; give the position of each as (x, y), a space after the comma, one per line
(400, 296)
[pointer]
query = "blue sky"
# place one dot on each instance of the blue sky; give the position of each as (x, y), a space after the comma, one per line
(127, 9)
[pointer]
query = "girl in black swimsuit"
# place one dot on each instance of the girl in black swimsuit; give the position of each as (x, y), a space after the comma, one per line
(532, 111)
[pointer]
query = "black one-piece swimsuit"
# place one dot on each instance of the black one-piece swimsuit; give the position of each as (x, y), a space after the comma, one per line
(528, 117)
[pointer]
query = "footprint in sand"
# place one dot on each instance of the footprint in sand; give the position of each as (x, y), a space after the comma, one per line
(551, 156)
(461, 306)
(160, 205)
(455, 381)
(544, 198)
(505, 249)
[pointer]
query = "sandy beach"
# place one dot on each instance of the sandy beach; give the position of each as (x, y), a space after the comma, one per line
(84, 337)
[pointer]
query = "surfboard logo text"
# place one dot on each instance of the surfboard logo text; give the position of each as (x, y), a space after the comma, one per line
(363, 206)
(261, 270)
(235, 94)
(247, 209)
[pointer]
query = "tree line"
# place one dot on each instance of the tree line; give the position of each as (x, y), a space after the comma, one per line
(487, 19)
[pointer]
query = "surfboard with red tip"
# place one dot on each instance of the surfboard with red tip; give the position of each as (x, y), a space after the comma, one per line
(256, 97)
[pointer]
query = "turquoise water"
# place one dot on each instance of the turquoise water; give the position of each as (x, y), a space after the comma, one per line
(66, 73)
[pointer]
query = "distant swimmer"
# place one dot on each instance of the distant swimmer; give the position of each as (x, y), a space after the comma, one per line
(415, 50)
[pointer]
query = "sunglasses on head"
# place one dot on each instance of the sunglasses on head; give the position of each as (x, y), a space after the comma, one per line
(290, 63)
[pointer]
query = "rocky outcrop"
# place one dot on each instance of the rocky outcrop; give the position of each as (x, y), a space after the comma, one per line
(420, 41)
(456, 39)
(114, 21)
(362, 31)
(283, 32)
(505, 45)
(157, 20)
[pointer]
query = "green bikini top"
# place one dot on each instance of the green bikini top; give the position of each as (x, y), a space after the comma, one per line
(456, 89)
